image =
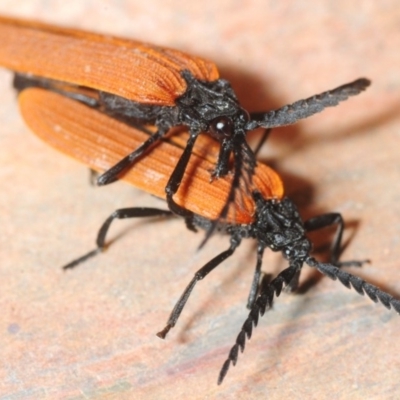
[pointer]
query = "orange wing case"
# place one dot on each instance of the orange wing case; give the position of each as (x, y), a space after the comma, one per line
(138, 71)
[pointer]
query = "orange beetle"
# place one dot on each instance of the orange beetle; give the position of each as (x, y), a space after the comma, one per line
(97, 140)
(143, 83)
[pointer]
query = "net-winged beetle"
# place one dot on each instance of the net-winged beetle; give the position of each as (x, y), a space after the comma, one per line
(141, 83)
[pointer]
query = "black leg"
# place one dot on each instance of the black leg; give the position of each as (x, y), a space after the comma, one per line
(325, 220)
(229, 200)
(222, 167)
(256, 278)
(176, 179)
(199, 275)
(111, 175)
(244, 165)
(136, 212)
(263, 139)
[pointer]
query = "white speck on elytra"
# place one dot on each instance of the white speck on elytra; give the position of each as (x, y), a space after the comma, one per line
(153, 176)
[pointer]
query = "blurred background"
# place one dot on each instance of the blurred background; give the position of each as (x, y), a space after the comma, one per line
(90, 333)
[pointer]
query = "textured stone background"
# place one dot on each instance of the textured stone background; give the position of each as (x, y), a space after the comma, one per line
(90, 333)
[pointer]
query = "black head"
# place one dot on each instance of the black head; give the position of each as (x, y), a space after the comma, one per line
(212, 107)
(278, 226)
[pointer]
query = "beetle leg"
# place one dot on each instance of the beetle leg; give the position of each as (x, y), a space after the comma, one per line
(244, 164)
(199, 275)
(111, 175)
(222, 167)
(326, 220)
(263, 139)
(176, 179)
(122, 213)
(229, 200)
(256, 278)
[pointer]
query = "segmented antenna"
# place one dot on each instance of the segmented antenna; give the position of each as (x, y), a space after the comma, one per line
(301, 109)
(361, 287)
(264, 301)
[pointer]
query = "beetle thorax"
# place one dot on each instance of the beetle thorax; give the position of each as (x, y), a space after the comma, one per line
(279, 226)
(211, 106)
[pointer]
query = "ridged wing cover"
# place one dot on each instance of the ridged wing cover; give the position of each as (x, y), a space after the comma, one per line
(137, 71)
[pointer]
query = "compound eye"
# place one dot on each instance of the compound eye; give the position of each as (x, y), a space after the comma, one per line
(221, 127)
(288, 253)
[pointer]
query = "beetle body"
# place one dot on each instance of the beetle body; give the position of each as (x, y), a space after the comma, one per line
(143, 83)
